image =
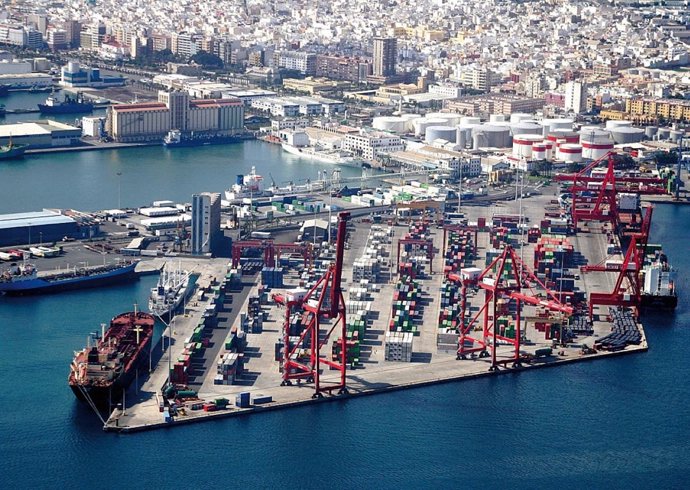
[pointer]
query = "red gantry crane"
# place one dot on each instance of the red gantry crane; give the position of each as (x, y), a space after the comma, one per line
(271, 251)
(324, 301)
(503, 281)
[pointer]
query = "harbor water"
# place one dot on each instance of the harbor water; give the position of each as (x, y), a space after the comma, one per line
(619, 423)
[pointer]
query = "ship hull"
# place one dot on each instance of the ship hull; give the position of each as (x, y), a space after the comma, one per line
(649, 301)
(103, 396)
(43, 286)
(185, 143)
(65, 109)
(176, 307)
(12, 153)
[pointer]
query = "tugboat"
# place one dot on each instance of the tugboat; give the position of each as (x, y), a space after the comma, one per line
(11, 150)
(71, 105)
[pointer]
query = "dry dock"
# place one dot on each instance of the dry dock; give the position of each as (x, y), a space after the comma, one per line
(429, 364)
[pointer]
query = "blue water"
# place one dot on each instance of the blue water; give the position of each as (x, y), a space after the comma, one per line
(615, 423)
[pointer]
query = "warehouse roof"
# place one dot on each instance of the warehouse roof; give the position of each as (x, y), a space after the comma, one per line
(37, 218)
(33, 128)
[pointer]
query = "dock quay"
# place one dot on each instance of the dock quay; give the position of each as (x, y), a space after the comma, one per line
(395, 283)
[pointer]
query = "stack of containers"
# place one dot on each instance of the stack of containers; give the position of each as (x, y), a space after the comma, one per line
(500, 236)
(405, 303)
(272, 277)
(227, 368)
(399, 346)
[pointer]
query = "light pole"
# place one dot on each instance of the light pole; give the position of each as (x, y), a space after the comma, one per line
(119, 189)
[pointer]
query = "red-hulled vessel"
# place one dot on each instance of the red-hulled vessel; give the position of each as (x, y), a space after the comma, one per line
(99, 373)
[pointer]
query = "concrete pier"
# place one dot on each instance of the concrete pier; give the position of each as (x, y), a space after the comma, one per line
(374, 375)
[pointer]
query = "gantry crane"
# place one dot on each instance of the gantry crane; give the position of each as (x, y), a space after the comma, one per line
(504, 279)
(324, 301)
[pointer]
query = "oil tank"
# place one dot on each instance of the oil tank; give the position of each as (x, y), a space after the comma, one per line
(617, 124)
(450, 118)
(596, 148)
(522, 144)
(565, 135)
(664, 133)
(650, 132)
(676, 136)
(448, 133)
(422, 123)
(462, 137)
(539, 151)
(525, 127)
(570, 152)
(626, 134)
(389, 123)
(470, 121)
(497, 118)
(491, 135)
(549, 125)
(517, 117)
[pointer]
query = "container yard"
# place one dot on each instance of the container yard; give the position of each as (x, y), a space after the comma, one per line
(404, 302)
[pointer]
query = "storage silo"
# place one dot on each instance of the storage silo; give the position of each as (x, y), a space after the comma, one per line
(525, 128)
(566, 135)
(624, 134)
(676, 136)
(493, 136)
(470, 121)
(570, 152)
(462, 136)
(522, 144)
(409, 118)
(517, 117)
(664, 133)
(618, 124)
(389, 123)
(497, 118)
(596, 145)
(650, 132)
(538, 151)
(447, 133)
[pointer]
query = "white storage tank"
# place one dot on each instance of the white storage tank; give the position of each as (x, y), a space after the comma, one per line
(549, 125)
(626, 134)
(462, 136)
(470, 121)
(564, 135)
(538, 151)
(497, 118)
(448, 133)
(491, 135)
(409, 119)
(650, 132)
(450, 118)
(617, 124)
(517, 117)
(422, 123)
(676, 136)
(595, 145)
(570, 152)
(522, 144)
(525, 127)
(389, 123)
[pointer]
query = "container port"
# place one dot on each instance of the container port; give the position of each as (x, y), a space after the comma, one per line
(407, 301)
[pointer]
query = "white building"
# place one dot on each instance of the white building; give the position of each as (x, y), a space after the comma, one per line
(370, 145)
(575, 97)
(446, 91)
(206, 232)
(304, 63)
(15, 67)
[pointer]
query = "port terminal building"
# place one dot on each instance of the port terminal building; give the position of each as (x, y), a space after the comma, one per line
(175, 110)
(40, 134)
(44, 227)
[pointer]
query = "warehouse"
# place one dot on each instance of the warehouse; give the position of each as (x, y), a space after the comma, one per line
(36, 227)
(40, 134)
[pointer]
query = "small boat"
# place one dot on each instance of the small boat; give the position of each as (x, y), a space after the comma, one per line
(11, 150)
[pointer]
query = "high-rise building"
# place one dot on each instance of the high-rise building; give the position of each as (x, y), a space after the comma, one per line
(73, 29)
(206, 232)
(385, 56)
(576, 97)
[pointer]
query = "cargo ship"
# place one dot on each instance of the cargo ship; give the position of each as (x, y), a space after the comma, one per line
(71, 105)
(176, 139)
(334, 157)
(658, 286)
(20, 279)
(250, 186)
(100, 373)
(172, 288)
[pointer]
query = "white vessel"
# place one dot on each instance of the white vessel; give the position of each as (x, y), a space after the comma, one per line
(335, 157)
(172, 288)
(246, 186)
